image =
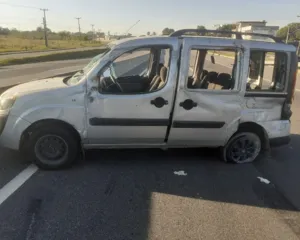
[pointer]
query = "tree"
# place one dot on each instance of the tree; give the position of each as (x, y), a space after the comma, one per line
(294, 32)
(154, 34)
(148, 33)
(226, 27)
(39, 29)
(167, 31)
(4, 31)
(201, 27)
(64, 35)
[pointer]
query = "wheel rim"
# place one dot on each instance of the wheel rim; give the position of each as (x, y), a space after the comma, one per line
(244, 149)
(51, 149)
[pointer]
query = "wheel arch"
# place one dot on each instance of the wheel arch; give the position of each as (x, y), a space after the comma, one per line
(60, 123)
(255, 128)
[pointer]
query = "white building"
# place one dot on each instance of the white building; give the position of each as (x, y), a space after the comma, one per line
(255, 27)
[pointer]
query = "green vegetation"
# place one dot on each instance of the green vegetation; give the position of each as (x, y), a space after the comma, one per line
(15, 40)
(12, 44)
(52, 57)
(293, 29)
(167, 31)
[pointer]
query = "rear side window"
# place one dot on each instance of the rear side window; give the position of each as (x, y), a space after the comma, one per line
(267, 71)
(212, 69)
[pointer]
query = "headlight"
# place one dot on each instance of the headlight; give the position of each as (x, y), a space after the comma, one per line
(7, 102)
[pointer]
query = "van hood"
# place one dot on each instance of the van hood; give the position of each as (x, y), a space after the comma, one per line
(36, 86)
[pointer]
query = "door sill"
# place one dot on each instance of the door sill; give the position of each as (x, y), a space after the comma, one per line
(116, 146)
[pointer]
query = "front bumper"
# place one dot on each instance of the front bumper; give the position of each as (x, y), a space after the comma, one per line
(280, 141)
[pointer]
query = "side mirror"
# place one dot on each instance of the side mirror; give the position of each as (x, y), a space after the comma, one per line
(212, 59)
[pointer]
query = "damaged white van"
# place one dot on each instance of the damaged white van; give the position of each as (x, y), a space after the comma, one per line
(234, 94)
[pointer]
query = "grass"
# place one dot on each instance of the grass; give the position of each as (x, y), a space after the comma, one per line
(13, 44)
(52, 57)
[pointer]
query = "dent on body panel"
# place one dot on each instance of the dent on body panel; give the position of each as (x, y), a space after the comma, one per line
(262, 109)
(70, 110)
(216, 105)
(276, 129)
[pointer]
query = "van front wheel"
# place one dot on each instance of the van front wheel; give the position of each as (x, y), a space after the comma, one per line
(52, 147)
(243, 147)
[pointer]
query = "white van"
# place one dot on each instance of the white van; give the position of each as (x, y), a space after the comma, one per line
(232, 94)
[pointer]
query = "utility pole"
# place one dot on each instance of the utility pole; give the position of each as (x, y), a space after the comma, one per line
(92, 31)
(78, 19)
(45, 25)
(287, 35)
(298, 49)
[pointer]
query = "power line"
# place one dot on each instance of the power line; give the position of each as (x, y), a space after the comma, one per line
(18, 5)
(131, 27)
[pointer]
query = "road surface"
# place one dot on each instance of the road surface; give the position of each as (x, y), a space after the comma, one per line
(155, 194)
(16, 74)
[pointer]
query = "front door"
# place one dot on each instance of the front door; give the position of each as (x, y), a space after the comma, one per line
(134, 99)
(209, 101)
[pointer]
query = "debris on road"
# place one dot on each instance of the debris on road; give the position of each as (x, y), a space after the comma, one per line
(180, 173)
(264, 180)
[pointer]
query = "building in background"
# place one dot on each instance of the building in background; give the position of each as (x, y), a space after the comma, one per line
(255, 27)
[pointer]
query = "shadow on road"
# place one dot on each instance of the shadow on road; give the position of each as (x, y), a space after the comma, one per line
(114, 194)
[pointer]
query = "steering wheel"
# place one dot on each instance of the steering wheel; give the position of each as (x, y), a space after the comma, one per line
(114, 80)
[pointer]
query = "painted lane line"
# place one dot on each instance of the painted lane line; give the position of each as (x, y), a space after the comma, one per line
(16, 182)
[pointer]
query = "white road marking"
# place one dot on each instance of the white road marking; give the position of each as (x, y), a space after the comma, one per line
(264, 180)
(180, 173)
(16, 182)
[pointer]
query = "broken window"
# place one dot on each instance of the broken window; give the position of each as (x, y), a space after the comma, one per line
(267, 71)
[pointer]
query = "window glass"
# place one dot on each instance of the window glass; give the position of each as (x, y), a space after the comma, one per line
(212, 69)
(131, 63)
(139, 71)
(267, 71)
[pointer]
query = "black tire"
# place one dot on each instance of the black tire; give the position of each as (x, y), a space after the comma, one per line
(36, 151)
(234, 154)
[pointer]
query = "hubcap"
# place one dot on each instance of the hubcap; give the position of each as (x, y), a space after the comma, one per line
(51, 148)
(244, 149)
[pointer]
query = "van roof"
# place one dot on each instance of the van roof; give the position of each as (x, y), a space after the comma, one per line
(254, 43)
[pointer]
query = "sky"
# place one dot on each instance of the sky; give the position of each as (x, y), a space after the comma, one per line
(117, 16)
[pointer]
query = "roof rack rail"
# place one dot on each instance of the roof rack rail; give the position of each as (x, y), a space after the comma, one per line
(237, 34)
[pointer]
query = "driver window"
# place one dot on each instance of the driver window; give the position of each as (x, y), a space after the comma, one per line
(139, 71)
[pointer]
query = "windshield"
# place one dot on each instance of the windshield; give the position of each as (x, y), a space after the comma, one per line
(76, 78)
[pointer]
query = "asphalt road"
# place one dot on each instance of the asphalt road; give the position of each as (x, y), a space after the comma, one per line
(15, 74)
(136, 194)
(42, 53)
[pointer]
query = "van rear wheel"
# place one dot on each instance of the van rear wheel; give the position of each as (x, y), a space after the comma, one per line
(243, 147)
(52, 147)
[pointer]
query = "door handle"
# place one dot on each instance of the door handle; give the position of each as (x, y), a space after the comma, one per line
(159, 102)
(188, 104)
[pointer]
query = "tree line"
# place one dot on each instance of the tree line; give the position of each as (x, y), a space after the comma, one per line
(225, 27)
(39, 34)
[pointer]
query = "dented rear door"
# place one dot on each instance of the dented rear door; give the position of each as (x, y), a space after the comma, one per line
(207, 117)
